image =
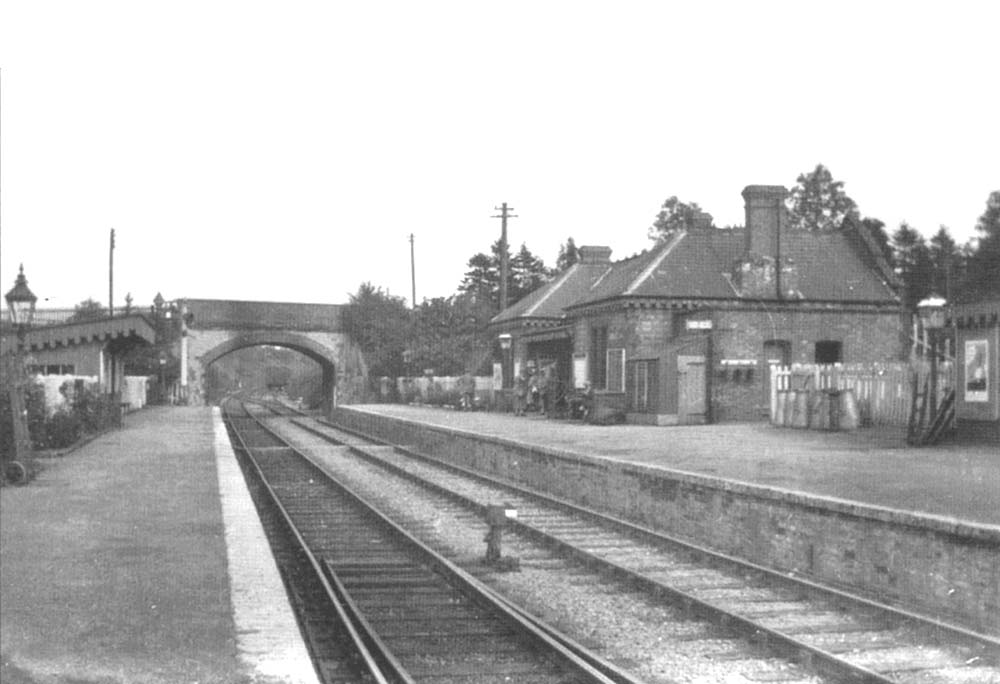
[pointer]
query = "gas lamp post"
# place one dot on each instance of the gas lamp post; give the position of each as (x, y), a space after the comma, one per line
(932, 316)
(506, 344)
(21, 302)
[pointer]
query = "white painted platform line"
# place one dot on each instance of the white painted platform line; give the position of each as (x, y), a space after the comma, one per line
(267, 635)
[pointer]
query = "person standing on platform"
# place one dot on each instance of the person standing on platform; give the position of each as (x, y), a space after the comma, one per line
(534, 391)
(520, 392)
(467, 386)
(548, 390)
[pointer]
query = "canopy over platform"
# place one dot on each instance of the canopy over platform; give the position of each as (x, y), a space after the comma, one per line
(120, 331)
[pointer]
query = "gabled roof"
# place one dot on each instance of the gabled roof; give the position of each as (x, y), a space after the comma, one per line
(699, 264)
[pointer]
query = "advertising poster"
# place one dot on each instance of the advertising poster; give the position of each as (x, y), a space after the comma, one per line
(977, 376)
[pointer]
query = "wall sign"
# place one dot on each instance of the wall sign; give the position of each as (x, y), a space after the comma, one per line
(698, 325)
(977, 370)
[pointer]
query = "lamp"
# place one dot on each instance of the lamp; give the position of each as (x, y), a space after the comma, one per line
(506, 343)
(21, 302)
(931, 311)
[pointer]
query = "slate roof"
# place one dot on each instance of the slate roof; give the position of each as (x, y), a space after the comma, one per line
(698, 264)
(551, 300)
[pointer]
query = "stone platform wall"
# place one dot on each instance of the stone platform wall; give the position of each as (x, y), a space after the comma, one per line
(940, 567)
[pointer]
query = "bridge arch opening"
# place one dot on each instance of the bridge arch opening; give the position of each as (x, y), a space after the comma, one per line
(323, 356)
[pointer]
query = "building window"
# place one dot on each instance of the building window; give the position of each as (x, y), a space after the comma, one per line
(616, 370)
(828, 351)
(598, 357)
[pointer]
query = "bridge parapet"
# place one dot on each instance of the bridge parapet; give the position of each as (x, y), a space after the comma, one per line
(225, 314)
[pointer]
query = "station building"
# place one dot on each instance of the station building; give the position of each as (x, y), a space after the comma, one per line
(687, 331)
(92, 349)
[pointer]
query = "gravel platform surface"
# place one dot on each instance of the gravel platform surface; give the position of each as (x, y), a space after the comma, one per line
(113, 564)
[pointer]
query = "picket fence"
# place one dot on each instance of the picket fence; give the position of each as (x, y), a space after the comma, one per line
(884, 392)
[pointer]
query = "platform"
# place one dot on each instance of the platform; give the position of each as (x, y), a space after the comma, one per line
(913, 527)
(126, 561)
(873, 467)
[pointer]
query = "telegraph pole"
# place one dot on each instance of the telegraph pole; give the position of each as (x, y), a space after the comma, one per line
(111, 275)
(504, 266)
(413, 276)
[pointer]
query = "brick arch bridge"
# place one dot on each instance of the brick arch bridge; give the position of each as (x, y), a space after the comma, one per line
(217, 327)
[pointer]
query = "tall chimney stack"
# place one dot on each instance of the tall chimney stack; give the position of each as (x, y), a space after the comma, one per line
(765, 206)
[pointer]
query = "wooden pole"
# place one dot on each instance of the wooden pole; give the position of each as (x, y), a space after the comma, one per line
(413, 275)
(111, 275)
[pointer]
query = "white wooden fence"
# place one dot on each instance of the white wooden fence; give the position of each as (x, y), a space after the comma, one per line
(884, 392)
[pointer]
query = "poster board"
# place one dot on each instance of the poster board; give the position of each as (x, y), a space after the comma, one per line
(579, 371)
(976, 378)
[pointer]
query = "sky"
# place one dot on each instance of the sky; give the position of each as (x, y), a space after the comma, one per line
(286, 151)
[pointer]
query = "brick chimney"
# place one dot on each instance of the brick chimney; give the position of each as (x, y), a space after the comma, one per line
(594, 255)
(765, 208)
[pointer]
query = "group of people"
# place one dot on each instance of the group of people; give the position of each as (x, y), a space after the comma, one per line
(535, 390)
(543, 391)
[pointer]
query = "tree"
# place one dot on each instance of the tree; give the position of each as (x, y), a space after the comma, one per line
(450, 335)
(568, 255)
(946, 263)
(984, 261)
(819, 203)
(380, 325)
(482, 280)
(674, 215)
(913, 264)
(527, 273)
(88, 310)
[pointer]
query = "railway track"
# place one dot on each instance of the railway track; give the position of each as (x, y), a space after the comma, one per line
(410, 614)
(832, 634)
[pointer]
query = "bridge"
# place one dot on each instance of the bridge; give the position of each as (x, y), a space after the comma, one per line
(217, 327)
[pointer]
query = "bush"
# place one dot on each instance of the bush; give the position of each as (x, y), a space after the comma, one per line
(62, 430)
(34, 404)
(95, 412)
(436, 396)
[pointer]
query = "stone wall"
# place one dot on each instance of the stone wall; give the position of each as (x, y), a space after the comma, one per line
(937, 566)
